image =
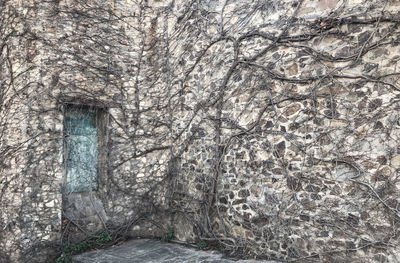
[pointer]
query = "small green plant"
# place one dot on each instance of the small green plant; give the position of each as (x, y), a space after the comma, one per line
(202, 244)
(168, 235)
(102, 238)
(96, 240)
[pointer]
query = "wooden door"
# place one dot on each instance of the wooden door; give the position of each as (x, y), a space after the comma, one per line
(81, 145)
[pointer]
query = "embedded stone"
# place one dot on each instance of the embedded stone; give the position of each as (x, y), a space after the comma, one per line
(308, 204)
(395, 161)
(292, 109)
(50, 204)
(363, 37)
(355, 2)
(239, 201)
(293, 183)
(345, 52)
(222, 209)
(344, 172)
(378, 125)
(380, 53)
(338, 123)
(306, 11)
(385, 171)
(381, 159)
(368, 165)
(353, 219)
(223, 200)
(244, 193)
(370, 66)
(255, 190)
(304, 217)
(327, 4)
(381, 258)
(293, 69)
(269, 124)
(280, 148)
(374, 104)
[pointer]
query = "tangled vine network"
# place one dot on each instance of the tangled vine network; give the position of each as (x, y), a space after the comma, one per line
(268, 129)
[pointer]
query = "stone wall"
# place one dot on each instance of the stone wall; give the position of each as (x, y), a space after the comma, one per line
(266, 128)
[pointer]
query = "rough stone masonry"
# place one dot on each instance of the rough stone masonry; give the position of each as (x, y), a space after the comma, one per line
(269, 129)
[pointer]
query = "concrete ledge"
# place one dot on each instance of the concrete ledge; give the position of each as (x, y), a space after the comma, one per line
(153, 251)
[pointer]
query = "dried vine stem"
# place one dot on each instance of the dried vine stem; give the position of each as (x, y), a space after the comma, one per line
(248, 122)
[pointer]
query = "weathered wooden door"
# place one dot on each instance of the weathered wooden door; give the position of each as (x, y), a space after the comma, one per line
(80, 149)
